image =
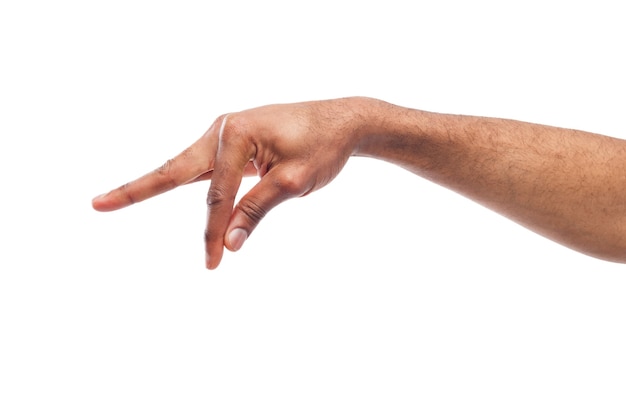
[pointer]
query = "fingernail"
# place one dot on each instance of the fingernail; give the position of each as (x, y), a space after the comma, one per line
(236, 238)
(98, 196)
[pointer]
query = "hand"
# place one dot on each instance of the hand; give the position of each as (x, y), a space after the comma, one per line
(294, 148)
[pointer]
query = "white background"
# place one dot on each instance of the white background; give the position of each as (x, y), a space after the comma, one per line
(382, 294)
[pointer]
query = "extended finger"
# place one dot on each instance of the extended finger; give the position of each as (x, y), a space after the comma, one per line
(177, 171)
(184, 168)
(233, 156)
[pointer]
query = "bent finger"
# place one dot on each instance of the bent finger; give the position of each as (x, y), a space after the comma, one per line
(273, 189)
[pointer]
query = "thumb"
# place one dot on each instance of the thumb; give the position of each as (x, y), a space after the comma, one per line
(274, 188)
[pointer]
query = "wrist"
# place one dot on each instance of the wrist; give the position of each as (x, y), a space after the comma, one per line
(373, 125)
(388, 131)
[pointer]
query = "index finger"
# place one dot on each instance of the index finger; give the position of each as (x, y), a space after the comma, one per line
(188, 165)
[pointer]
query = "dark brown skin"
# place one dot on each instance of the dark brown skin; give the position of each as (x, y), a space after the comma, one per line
(564, 184)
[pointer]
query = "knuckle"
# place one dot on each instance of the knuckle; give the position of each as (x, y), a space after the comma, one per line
(216, 196)
(291, 183)
(232, 127)
(125, 190)
(165, 172)
(218, 122)
(251, 209)
(220, 119)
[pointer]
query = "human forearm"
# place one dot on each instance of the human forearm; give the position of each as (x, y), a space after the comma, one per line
(561, 183)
